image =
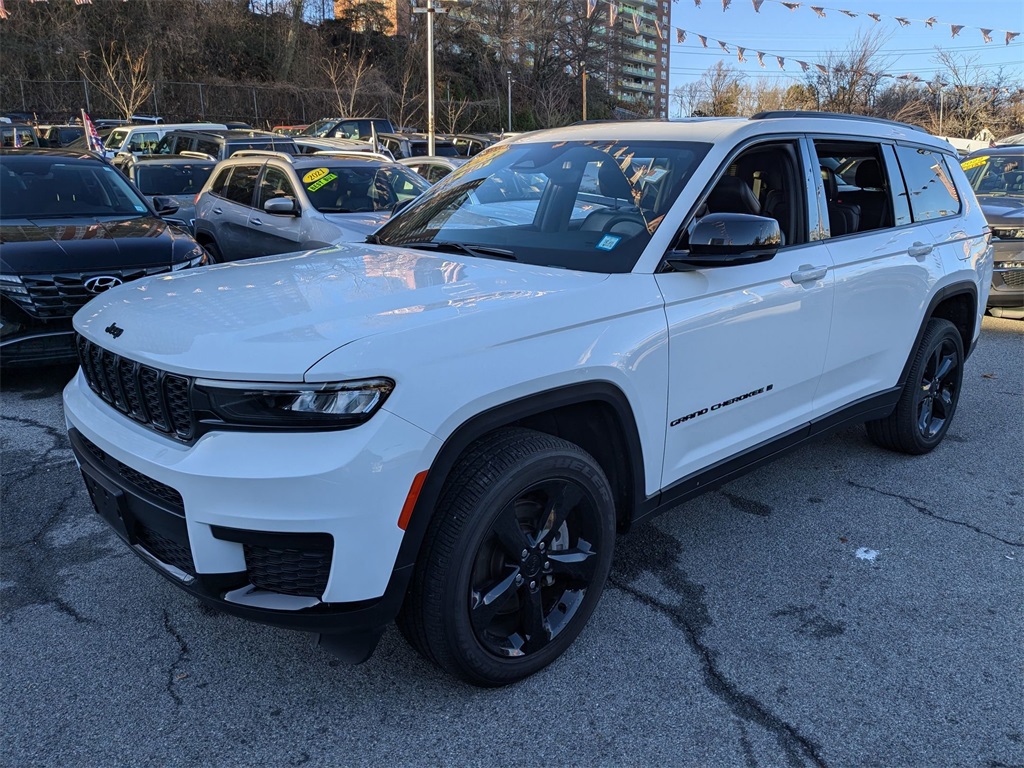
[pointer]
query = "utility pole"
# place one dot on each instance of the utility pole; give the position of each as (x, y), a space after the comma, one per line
(430, 10)
(584, 93)
(508, 73)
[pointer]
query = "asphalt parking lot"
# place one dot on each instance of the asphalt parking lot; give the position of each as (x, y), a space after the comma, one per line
(843, 606)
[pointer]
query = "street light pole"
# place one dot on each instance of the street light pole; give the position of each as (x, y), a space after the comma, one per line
(430, 10)
(509, 74)
(584, 93)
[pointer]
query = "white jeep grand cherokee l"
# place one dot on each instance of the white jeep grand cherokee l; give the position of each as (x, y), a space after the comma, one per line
(577, 330)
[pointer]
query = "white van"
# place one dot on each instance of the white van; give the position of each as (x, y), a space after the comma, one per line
(142, 139)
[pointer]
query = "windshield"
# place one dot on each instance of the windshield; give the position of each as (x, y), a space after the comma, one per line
(116, 138)
(159, 179)
(1001, 175)
(36, 187)
(79, 143)
(320, 127)
(591, 206)
(362, 188)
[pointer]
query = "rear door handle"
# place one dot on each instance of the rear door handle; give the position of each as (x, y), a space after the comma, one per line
(217, 210)
(919, 250)
(256, 222)
(808, 274)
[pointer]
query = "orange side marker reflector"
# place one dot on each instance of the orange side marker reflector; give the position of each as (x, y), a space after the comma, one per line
(410, 500)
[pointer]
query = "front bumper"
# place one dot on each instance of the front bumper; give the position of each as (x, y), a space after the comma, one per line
(296, 530)
(38, 343)
(1008, 274)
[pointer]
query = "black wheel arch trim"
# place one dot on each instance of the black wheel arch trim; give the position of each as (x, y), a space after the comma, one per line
(506, 415)
(941, 295)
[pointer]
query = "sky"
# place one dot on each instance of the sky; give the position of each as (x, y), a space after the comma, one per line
(802, 34)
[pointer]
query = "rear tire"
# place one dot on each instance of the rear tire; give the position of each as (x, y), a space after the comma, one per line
(212, 253)
(930, 394)
(514, 560)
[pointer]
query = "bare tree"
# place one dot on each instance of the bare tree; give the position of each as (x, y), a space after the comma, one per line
(121, 75)
(718, 91)
(971, 99)
(848, 80)
(347, 74)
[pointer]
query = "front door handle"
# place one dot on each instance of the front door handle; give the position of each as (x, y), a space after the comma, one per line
(920, 250)
(217, 210)
(808, 274)
(256, 222)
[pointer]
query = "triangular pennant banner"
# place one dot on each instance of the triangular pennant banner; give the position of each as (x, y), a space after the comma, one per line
(703, 40)
(851, 14)
(875, 16)
(1010, 36)
(903, 22)
(5, 15)
(792, 6)
(760, 59)
(818, 10)
(725, 4)
(955, 29)
(782, 62)
(930, 22)
(724, 46)
(657, 28)
(613, 13)
(803, 65)
(636, 23)
(821, 68)
(680, 36)
(696, 3)
(987, 35)
(591, 6)
(739, 54)
(757, 5)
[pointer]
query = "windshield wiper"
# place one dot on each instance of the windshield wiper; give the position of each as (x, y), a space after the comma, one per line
(472, 249)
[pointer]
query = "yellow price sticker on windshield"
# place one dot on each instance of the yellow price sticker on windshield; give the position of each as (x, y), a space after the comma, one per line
(321, 182)
(974, 162)
(315, 175)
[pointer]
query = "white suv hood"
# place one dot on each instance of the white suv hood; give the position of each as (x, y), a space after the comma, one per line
(271, 319)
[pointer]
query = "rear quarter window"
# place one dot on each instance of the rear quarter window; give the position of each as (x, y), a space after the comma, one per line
(931, 191)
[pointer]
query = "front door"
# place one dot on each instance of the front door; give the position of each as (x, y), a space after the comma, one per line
(747, 343)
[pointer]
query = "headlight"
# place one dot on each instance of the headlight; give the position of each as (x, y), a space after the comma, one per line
(196, 258)
(313, 406)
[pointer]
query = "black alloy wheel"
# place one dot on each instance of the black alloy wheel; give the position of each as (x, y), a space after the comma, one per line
(930, 395)
(514, 560)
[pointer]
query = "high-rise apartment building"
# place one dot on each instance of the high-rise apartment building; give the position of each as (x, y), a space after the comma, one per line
(398, 12)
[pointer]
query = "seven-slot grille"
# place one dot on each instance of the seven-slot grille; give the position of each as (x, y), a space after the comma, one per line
(150, 396)
(61, 295)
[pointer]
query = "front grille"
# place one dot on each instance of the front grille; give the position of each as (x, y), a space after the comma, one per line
(1014, 278)
(150, 396)
(166, 550)
(290, 571)
(61, 295)
(134, 477)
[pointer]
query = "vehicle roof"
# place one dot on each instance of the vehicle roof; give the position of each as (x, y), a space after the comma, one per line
(712, 129)
(171, 160)
(234, 133)
(436, 159)
(416, 137)
(66, 154)
(999, 149)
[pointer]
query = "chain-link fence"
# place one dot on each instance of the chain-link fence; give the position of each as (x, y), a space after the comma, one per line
(258, 105)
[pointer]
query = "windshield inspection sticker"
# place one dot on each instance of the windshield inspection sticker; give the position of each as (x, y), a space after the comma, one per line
(608, 242)
(322, 182)
(315, 175)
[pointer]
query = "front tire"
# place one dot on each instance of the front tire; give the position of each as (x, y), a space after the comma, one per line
(930, 394)
(515, 558)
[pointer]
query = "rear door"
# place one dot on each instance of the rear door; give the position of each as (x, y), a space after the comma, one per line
(230, 214)
(884, 267)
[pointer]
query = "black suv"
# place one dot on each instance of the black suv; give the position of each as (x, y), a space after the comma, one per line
(416, 145)
(71, 227)
(222, 144)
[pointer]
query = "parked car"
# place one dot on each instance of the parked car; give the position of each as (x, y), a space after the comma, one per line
(178, 177)
(310, 146)
(289, 130)
(126, 141)
(27, 135)
(361, 128)
(452, 422)
(70, 228)
(403, 145)
(470, 144)
(260, 203)
(433, 168)
(221, 144)
(997, 178)
(60, 135)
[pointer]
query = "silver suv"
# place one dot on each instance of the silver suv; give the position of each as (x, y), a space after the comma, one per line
(261, 203)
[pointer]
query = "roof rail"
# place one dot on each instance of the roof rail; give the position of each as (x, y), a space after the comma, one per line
(351, 153)
(780, 113)
(263, 153)
(197, 155)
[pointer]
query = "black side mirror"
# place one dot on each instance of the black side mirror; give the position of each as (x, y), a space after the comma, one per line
(729, 240)
(400, 205)
(165, 206)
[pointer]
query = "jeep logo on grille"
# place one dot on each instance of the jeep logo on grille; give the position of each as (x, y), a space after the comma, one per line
(113, 330)
(102, 283)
